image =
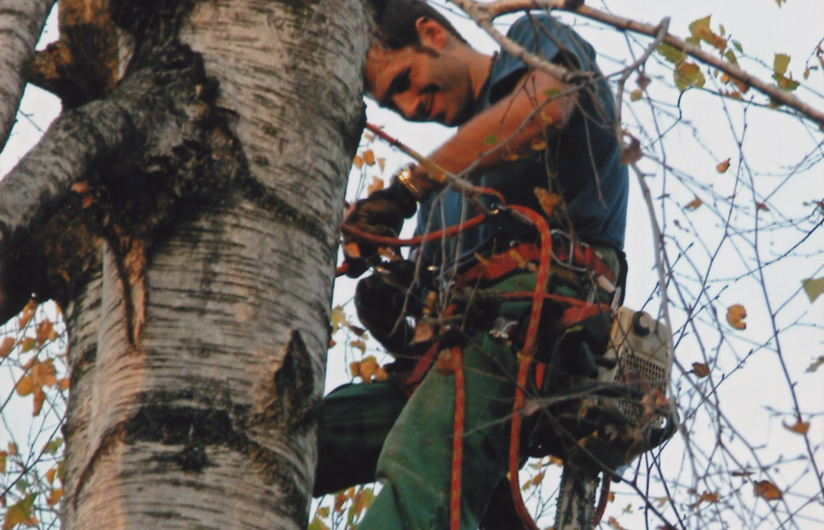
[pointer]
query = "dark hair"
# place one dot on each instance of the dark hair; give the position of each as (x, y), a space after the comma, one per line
(395, 22)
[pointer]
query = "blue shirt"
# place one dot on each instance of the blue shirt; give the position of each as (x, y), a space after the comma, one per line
(580, 163)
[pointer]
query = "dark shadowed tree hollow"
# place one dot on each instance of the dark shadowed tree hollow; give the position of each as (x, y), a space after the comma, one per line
(183, 212)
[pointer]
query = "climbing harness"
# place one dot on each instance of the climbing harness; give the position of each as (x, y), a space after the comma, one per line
(577, 258)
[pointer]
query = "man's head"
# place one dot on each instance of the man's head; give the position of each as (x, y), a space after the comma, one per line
(419, 66)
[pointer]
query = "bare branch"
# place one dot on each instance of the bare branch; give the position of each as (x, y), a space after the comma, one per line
(21, 23)
(483, 15)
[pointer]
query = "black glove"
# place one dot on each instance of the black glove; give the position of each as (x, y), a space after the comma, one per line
(379, 301)
(383, 214)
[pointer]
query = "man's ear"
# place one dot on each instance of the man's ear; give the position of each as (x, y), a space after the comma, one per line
(431, 33)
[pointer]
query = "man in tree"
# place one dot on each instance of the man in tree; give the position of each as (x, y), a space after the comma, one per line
(519, 129)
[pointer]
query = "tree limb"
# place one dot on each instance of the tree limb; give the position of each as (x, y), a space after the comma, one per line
(21, 23)
(483, 14)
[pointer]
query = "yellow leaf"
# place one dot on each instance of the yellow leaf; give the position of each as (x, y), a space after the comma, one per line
(693, 204)
(338, 318)
(735, 316)
(16, 515)
(63, 383)
(359, 344)
(358, 161)
(39, 399)
(701, 369)
(546, 118)
(800, 427)
(369, 157)
(538, 144)
(6, 347)
(3, 455)
(547, 200)
(722, 167)
(354, 368)
(537, 478)
(28, 344)
(636, 94)
(43, 373)
(54, 496)
(780, 63)
(25, 386)
(812, 287)
(50, 474)
(767, 490)
(369, 367)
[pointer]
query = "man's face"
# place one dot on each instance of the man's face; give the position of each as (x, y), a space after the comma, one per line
(420, 84)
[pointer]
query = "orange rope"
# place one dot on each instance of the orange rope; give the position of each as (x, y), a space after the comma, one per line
(457, 441)
(526, 356)
(414, 241)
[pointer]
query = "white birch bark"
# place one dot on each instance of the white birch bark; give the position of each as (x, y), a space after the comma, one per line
(21, 23)
(198, 352)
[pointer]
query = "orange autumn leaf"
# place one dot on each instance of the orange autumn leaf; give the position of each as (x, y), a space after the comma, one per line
(549, 201)
(701, 369)
(25, 386)
(767, 490)
(27, 314)
(63, 384)
(722, 167)
(377, 185)
(799, 427)
(6, 347)
(613, 522)
(39, 399)
(693, 204)
(352, 250)
(357, 161)
(369, 157)
(43, 331)
(80, 187)
(55, 496)
(736, 315)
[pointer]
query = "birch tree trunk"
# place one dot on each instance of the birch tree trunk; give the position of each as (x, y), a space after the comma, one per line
(187, 224)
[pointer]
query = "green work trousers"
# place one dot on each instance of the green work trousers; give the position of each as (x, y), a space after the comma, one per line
(372, 432)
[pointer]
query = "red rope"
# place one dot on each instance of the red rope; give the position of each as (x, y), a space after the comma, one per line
(415, 241)
(457, 440)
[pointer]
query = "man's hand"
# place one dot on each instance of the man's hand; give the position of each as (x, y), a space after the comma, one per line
(382, 214)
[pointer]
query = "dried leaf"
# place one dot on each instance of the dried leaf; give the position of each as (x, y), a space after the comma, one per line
(369, 157)
(377, 185)
(50, 474)
(722, 167)
(367, 368)
(636, 95)
(28, 344)
(39, 399)
(80, 187)
(767, 490)
(55, 496)
(381, 164)
(445, 363)
(812, 287)
(799, 427)
(735, 316)
(761, 206)
(538, 144)
(27, 314)
(359, 344)
(43, 374)
(317, 524)
(6, 347)
(546, 118)
(354, 368)
(338, 318)
(693, 204)
(43, 330)
(63, 384)
(357, 161)
(352, 250)
(3, 455)
(25, 386)
(701, 369)
(20, 513)
(780, 63)
(549, 201)
(815, 364)
(686, 75)
(613, 522)
(423, 333)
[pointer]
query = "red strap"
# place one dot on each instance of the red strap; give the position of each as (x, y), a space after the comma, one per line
(421, 367)
(457, 441)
